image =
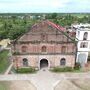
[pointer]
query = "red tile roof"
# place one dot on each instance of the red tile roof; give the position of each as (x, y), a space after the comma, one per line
(58, 27)
(55, 25)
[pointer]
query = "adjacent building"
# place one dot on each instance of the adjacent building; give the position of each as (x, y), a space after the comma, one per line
(83, 45)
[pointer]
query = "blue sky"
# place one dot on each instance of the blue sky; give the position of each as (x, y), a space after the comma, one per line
(49, 6)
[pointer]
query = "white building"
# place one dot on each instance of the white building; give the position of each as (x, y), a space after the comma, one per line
(86, 25)
(4, 43)
(83, 45)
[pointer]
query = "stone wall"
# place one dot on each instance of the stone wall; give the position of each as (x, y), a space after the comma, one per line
(53, 60)
(50, 48)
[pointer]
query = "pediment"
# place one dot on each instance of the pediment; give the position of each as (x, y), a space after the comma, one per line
(43, 30)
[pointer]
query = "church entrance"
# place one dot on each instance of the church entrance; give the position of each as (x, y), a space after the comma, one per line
(43, 63)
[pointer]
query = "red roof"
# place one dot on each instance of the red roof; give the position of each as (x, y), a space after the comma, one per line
(72, 34)
(56, 26)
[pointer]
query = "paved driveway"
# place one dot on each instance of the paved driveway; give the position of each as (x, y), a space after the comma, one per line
(44, 79)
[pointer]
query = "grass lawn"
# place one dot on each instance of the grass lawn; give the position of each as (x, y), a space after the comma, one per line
(4, 62)
(4, 85)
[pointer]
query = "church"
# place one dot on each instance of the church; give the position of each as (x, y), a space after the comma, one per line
(45, 45)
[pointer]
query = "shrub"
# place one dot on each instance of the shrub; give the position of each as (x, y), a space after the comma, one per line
(25, 70)
(68, 69)
(77, 66)
(64, 69)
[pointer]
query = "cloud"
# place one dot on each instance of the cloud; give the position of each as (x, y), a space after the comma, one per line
(44, 6)
(10, 1)
(31, 4)
(49, 3)
(76, 6)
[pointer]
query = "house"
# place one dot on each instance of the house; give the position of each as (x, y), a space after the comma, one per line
(44, 45)
(83, 45)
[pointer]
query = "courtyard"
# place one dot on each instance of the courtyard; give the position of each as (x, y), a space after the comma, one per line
(46, 80)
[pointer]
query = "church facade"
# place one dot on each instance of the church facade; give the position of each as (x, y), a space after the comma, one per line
(44, 45)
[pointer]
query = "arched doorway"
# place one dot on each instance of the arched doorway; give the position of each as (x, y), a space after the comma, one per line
(43, 63)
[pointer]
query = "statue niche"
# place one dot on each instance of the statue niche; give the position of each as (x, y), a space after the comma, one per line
(43, 37)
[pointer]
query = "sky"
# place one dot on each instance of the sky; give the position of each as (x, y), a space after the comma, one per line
(44, 6)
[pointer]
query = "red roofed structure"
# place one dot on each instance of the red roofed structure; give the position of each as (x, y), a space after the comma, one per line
(55, 25)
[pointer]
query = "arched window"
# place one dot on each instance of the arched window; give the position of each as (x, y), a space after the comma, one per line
(24, 48)
(63, 62)
(84, 45)
(25, 62)
(85, 36)
(63, 49)
(43, 37)
(43, 48)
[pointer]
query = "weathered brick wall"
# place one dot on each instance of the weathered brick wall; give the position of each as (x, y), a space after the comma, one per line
(50, 48)
(53, 60)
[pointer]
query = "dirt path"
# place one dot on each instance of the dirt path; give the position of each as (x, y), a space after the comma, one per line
(8, 69)
(45, 80)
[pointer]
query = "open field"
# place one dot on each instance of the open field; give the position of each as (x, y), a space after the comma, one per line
(16, 85)
(74, 84)
(4, 85)
(83, 84)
